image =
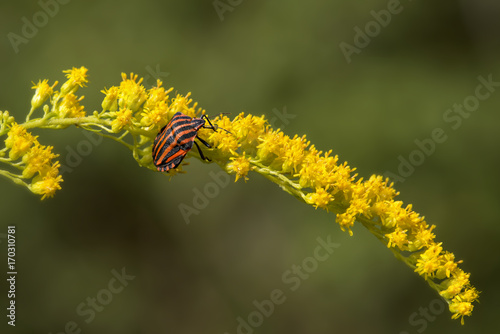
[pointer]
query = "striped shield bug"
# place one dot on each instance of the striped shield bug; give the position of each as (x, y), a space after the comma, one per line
(176, 139)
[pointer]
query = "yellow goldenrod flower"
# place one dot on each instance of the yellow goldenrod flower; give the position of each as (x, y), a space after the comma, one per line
(346, 220)
(132, 94)
(461, 304)
(70, 106)
(448, 265)
(19, 141)
(270, 145)
(157, 95)
(155, 116)
(47, 186)
(110, 101)
(247, 129)
(77, 77)
(378, 189)
(319, 199)
(429, 261)
(181, 103)
(157, 111)
(292, 153)
(37, 159)
(240, 166)
(455, 284)
(393, 214)
(225, 142)
(423, 237)
(317, 169)
(398, 239)
(50, 170)
(42, 93)
(123, 117)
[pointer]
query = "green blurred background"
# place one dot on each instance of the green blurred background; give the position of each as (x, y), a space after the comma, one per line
(261, 57)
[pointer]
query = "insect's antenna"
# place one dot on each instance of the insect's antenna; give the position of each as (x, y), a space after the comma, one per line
(217, 127)
(224, 130)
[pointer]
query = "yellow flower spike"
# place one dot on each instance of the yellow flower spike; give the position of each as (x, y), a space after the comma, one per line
(77, 77)
(42, 93)
(313, 176)
(70, 106)
(110, 101)
(123, 117)
(132, 93)
(240, 166)
(19, 141)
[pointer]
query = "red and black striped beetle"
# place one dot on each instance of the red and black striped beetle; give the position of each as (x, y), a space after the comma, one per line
(176, 139)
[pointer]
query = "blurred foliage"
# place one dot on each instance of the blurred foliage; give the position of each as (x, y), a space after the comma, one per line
(265, 55)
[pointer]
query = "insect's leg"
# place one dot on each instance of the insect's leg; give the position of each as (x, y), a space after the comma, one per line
(200, 151)
(204, 142)
(211, 125)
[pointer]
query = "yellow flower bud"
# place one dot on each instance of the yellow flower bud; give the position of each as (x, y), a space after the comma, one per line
(42, 93)
(77, 77)
(110, 102)
(122, 118)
